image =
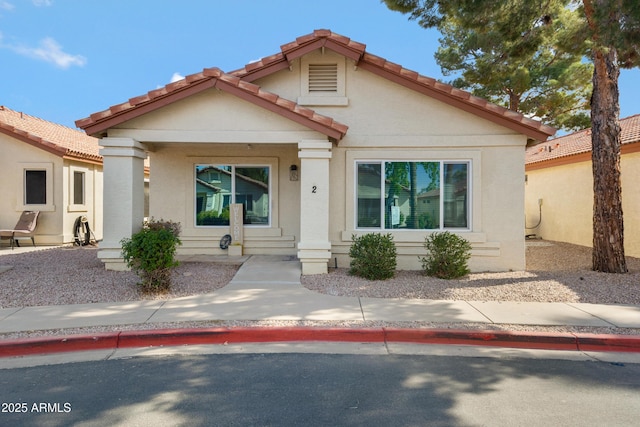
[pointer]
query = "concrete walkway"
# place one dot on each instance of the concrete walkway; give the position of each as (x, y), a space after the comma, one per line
(268, 288)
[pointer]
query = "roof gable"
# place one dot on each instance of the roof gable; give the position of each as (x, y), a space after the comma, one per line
(52, 137)
(579, 143)
(239, 83)
(534, 129)
(207, 79)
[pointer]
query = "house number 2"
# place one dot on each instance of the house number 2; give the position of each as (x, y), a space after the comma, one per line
(313, 189)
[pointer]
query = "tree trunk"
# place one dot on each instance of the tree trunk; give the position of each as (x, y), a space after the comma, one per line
(608, 229)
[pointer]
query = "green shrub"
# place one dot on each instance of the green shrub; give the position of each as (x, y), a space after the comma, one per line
(447, 255)
(151, 254)
(373, 256)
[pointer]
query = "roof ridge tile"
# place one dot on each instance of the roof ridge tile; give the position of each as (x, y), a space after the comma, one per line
(251, 87)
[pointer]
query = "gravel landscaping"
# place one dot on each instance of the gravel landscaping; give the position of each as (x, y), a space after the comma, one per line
(556, 272)
(75, 275)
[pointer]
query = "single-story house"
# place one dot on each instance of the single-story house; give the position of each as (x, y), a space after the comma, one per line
(49, 168)
(326, 131)
(559, 187)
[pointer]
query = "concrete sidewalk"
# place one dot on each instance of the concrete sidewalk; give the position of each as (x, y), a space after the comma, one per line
(268, 288)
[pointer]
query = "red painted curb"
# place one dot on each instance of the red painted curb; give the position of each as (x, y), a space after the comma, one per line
(43, 345)
(532, 340)
(174, 337)
(245, 335)
(619, 343)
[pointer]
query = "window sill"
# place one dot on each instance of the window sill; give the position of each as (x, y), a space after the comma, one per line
(415, 236)
(335, 101)
(77, 208)
(40, 208)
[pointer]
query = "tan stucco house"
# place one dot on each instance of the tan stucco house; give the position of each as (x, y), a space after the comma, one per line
(559, 174)
(318, 142)
(49, 168)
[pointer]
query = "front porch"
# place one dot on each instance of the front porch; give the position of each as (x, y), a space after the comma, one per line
(293, 203)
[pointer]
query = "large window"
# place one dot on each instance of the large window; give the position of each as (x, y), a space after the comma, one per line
(412, 195)
(218, 186)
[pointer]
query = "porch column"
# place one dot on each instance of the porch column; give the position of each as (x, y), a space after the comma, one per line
(314, 247)
(123, 196)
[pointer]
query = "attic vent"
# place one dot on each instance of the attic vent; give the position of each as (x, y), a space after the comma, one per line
(323, 78)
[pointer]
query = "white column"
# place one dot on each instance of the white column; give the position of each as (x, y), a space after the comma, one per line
(314, 247)
(123, 196)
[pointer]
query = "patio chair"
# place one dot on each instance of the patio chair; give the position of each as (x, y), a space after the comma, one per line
(24, 229)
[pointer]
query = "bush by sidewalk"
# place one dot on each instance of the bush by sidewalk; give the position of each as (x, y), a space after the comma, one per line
(151, 254)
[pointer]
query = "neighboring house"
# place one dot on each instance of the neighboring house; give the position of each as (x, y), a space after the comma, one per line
(559, 174)
(52, 169)
(336, 142)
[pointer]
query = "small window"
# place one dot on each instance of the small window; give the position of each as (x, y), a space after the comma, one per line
(35, 192)
(78, 188)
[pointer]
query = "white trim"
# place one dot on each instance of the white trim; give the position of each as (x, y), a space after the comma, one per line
(71, 206)
(329, 98)
(471, 157)
(269, 163)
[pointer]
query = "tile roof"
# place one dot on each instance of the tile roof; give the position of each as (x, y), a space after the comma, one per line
(52, 137)
(403, 76)
(101, 121)
(206, 79)
(579, 142)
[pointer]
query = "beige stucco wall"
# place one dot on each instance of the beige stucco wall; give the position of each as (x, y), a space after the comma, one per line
(215, 128)
(92, 208)
(389, 122)
(55, 223)
(567, 202)
(172, 194)
(386, 122)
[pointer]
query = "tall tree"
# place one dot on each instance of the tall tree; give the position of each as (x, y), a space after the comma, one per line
(614, 29)
(550, 81)
(611, 28)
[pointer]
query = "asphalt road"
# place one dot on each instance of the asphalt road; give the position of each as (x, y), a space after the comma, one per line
(321, 390)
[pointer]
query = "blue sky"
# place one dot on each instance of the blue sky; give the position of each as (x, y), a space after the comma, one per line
(63, 60)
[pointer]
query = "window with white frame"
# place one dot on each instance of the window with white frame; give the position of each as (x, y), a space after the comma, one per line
(36, 191)
(411, 195)
(78, 188)
(218, 186)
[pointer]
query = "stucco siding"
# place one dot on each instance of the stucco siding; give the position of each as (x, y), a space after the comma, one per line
(383, 113)
(92, 206)
(387, 122)
(15, 157)
(497, 199)
(172, 194)
(211, 116)
(55, 223)
(567, 203)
